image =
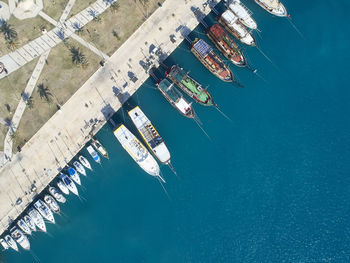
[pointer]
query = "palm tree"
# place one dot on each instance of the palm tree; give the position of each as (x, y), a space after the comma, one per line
(78, 57)
(44, 93)
(8, 31)
(115, 7)
(30, 102)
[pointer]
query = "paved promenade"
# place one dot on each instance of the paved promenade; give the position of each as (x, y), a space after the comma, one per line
(58, 141)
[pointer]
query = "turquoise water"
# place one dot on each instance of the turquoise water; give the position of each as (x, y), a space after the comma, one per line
(272, 185)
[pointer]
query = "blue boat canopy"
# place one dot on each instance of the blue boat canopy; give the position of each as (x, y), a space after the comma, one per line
(202, 47)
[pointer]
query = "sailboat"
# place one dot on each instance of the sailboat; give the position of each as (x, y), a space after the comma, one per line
(69, 184)
(93, 154)
(9, 240)
(50, 201)
(44, 210)
(79, 168)
(84, 162)
(74, 175)
(98, 146)
(4, 244)
(23, 226)
(137, 151)
(58, 196)
(63, 187)
(29, 222)
(37, 218)
(21, 238)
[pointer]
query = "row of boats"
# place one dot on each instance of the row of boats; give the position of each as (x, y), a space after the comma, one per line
(44, 209)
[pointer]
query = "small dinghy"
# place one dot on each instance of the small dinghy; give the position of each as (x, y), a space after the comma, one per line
(4, 244)
(74, 175)
(11, 243)
(85, 162)
(29, 222)
(37, 219)
(94, 154)
(44, 210)
(21, 238)
(24, 227)
(55, 193)
(63, 187)
(79, 168)
(69, 184)
(50, 201)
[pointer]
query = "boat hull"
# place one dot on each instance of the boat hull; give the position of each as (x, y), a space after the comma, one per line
(281, 12)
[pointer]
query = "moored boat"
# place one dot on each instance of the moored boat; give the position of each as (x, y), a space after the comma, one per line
(99, 147)
(44, 210)
(85, 162)
(23, 226)
(150, 135)
(210, 60)
(232, 24)
(37, 219)
(137, 151)
(12, 244)
(69, 184)
(63, 187)
(4, 244)
(58, 196)
(243, 14)
(274, 7)
(93, 154)
(74, 175)
(50, 201)
(175, 98)
(21, 238)
(29, 222)
(191, 87)
(80, 168)
(226, 45)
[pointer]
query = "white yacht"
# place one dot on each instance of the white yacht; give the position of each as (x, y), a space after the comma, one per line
(23, 226)
(29, 222)
(44, 210)
(58, 196)
(243, 13)
(232, 24)
(37, 218)
(9, 240)
(274, 7)
(150, 135)
(85, 162)
(78, 166)
(21, 238)
(50, 201)
(69, 184)
(74, 175)
(64, 189)
(93, 154)
(137, 151)
(99, 147)
(4, 244)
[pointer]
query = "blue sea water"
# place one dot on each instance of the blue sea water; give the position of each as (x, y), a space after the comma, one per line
(271, 185)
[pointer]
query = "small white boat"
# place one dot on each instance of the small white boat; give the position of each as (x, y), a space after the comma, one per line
(98, 146)
(9, 240)
(85, 162)
(243, 14)
(74, 175)
(79, 168)
(69, 184)
(93, 154)
(50, 201)
(4, 244)
(29, 222)
(37, 218)
(21, 238)
(24, 227)
(44, 210)
(63, 187)
(274, 7)
(55, 193)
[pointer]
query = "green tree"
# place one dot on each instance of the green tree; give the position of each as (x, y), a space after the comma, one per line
(78, 57)
(44, 93)
(30, 102)
(8, 31)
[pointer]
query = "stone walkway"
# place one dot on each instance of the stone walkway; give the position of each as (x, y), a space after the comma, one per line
(16, 59)
(67, 11)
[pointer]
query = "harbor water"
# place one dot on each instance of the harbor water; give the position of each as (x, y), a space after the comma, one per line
(269, 185)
